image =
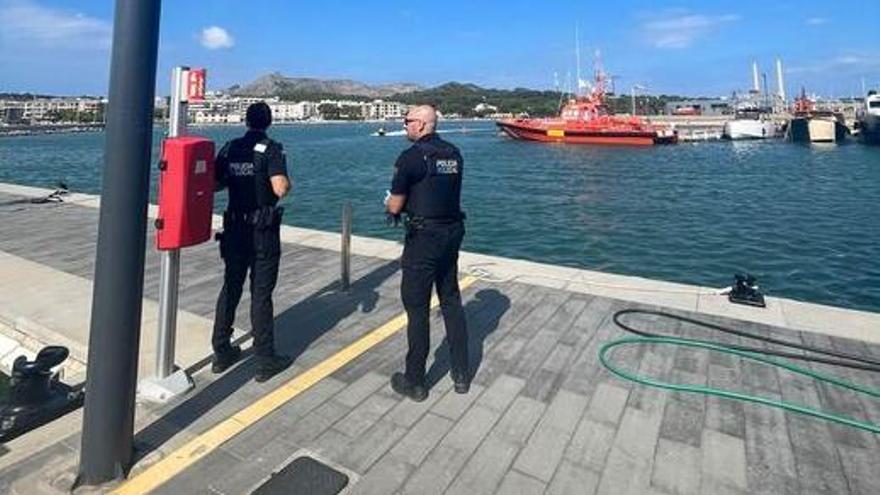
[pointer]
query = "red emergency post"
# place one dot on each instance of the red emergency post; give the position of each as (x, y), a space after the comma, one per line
(186, 192)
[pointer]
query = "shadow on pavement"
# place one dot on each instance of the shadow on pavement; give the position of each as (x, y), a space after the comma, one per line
(483, 313)
(295, 330)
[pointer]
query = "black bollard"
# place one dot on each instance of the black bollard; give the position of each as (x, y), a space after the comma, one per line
(36, 396)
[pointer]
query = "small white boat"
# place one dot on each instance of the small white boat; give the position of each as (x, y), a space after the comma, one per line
(382, 132)
(750, 124)
(869, 119)
(750, 129)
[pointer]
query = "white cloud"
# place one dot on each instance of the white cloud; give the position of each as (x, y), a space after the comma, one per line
(25, 23)
(816, 21)
(215, 38)
(680, 29)
(838, 63)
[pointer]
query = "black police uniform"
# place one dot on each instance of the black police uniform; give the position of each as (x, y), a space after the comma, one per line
(430, 173)
(251, 236)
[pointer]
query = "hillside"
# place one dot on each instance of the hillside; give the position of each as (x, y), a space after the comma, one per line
(461, 99)
(276, 84)
(449, 98)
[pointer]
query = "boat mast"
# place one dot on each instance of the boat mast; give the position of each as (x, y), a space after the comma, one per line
(577, 58)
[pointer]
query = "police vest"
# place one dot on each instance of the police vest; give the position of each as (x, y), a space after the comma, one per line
(264, 194)
(249, 169)
(438, 194)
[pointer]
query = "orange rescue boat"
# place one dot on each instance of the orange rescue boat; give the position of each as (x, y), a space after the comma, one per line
(587, 120)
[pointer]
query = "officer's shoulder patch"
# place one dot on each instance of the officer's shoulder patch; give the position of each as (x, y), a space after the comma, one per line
(260, 148)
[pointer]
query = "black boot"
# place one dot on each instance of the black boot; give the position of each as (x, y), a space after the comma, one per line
(269, 366)
(226, 358)
(461, 383)
(401, 384)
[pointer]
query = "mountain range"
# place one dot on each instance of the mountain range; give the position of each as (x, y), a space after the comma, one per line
(450, 98)
(276, 84)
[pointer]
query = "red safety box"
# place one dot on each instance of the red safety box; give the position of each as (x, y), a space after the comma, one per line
(186, 192)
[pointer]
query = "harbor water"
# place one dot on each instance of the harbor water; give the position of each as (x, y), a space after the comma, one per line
(802, 219)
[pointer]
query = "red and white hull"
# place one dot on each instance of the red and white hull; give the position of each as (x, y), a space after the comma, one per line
(550, 131)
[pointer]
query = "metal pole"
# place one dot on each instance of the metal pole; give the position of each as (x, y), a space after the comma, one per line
(169, 275)
(346, 246)
(633, 100)
(108, 423)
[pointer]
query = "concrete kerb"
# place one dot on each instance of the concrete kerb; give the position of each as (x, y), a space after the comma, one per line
(795, 315)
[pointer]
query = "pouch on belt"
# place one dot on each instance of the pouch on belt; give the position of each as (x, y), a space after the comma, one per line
(267, 232)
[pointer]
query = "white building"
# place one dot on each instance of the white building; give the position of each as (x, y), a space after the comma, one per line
(41, 109)
(223, 109)
(283, 111)
(215, 117)
(384, 110)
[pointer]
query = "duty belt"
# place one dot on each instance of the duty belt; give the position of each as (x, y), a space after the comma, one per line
(417, 222)
(261, 217)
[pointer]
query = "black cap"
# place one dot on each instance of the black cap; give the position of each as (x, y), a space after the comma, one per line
(259, 116)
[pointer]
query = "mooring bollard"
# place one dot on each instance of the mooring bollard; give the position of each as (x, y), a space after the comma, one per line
(346, 246)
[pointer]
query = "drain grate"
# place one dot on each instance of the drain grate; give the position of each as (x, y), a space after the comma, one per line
(306, 476)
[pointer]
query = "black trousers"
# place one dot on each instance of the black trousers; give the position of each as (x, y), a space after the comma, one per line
(430, 259)
(258, 251)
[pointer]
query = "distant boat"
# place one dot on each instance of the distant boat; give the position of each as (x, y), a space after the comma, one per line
(750, 125)
(587, 120)
(810, 125)
(869, 119)
(381, 132)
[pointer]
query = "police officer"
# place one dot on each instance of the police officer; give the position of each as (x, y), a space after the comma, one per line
(254, 169)
(427, 188)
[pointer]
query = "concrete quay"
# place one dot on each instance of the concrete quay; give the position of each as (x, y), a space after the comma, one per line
(543, 416)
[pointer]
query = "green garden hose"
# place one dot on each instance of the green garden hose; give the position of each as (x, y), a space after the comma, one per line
(750, 353)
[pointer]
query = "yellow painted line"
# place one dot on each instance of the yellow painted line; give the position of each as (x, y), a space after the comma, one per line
(199, 447)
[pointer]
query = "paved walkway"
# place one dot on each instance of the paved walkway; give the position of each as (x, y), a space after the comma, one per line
(542, 417)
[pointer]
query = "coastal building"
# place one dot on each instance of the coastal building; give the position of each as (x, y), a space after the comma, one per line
(699, 107)
(10, 116)
(285, 111)
(48, 109)
(343, 110)
(384, 110)
(218, 108)
(216, 117)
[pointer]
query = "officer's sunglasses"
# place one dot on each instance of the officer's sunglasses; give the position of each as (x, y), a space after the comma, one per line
(407, 122)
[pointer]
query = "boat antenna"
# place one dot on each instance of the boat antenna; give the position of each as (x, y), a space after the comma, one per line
(577, 55)
(558, 89)
(568, 87)
(766, 93)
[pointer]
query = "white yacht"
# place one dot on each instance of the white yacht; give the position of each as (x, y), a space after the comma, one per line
(750, 126)
(869, 119)
(753, 110)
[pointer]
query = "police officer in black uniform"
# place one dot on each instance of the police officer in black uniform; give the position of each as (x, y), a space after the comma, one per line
(254, 169)
(427, 188)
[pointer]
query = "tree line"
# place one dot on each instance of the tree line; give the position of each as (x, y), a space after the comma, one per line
(462, 99)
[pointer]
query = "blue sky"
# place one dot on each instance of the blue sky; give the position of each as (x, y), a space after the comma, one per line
(684, 47)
